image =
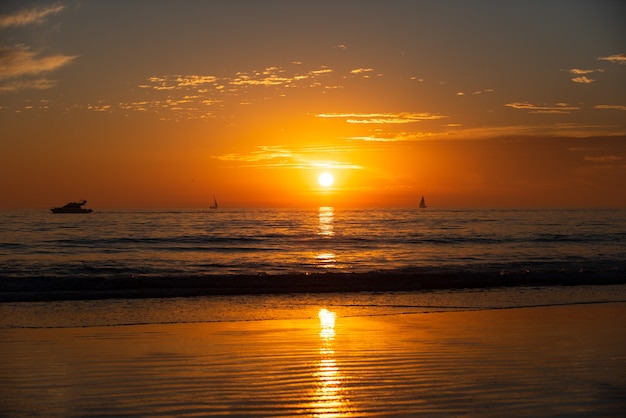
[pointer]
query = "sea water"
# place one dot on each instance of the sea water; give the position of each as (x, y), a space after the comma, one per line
(178, 243)
(513, 351)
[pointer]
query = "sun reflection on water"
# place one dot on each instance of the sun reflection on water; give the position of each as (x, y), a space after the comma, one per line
(325, 229)
(326, 221)
(325, 260)
(328, 399)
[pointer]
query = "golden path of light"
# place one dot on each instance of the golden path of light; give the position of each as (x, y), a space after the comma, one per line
(329, 400)
(326, 221)
(325, 229)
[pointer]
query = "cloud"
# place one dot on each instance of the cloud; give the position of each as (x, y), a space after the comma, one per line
(578, 71)
(39, 84)
(361, 70)
(179, 97)
(459, 132)
(616, 59)
(20, 60)
(372, 139)
(582, 75)
(604, 159)
(543, 108)
(399, 137)
(270, 76)
(583, 80)
(610, 107)
(278, 157)
(382, 118)
(36, 15)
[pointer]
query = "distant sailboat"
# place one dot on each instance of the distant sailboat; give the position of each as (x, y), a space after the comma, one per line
(214, 205)
(422, 203)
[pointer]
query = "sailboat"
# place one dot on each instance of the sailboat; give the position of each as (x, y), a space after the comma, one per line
(422, 203)
(214, 205)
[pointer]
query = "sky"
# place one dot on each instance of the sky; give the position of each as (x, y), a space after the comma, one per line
(154, 104)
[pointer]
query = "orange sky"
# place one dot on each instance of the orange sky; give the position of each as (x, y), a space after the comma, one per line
(165, 104)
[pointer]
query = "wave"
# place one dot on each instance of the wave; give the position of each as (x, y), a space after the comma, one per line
(121, 283)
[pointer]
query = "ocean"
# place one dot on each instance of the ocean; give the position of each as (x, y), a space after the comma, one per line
(324, 312)
(41, 250)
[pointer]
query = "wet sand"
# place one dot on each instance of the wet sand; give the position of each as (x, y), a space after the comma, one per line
(543, 361)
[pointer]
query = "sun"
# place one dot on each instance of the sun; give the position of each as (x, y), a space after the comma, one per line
(326, 179)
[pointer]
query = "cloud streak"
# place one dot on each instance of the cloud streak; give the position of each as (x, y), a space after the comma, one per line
(583, 80)
(269, 77)
(543, 108)
(20, 60)
(458, 132)
(616, 59)
(39, 84)
(604, 159)
(610, 107)
(201, 96)
(279, 157)
(382, 118)
(36, 15)
(582, 75)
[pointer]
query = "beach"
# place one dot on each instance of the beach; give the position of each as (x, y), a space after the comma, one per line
(363, 354)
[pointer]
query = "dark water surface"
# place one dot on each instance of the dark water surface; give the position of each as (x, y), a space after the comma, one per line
(39, 250)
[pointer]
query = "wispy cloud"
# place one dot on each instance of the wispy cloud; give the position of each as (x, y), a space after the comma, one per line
(550, 129)
(281, 157)
(583, 80)
(459, 132)
(39, 84)
(604, 159)
(20, 60)
(269, 77)
(578, 71)
(558, 107)
(361, 70)
(382, 118)
(582, 75)
(616, 59)
(194, 96)
(398, 137)
(36, 15)
(543, 108)
(610, 107)
(483, 91)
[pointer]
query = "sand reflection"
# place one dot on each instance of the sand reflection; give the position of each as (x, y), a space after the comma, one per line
(329, 400)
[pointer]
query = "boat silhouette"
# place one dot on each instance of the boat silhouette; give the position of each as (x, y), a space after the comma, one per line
(422, 203)
(214, 205)
(72, 207)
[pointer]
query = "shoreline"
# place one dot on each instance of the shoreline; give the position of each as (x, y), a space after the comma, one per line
(86, 288)
(565, 360)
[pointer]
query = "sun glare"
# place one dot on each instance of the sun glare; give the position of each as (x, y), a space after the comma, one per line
(326, 179)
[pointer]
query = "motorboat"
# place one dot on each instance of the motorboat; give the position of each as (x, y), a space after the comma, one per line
(72, 207)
